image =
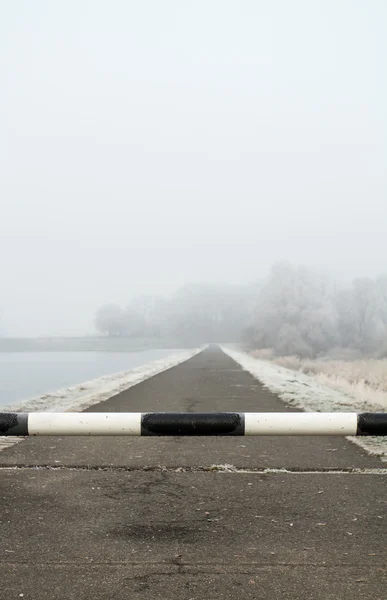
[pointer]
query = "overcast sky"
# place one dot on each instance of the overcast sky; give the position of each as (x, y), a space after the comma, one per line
(147, 144)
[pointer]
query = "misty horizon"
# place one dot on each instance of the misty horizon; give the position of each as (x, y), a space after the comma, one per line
(146, 146)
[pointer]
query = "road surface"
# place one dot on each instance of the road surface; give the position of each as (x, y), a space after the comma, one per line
(192, 518)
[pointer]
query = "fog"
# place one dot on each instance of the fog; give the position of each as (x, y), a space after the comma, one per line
(293, 311)
(149, 145)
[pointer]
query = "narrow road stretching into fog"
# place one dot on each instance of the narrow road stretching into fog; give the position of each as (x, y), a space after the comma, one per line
(146, 518)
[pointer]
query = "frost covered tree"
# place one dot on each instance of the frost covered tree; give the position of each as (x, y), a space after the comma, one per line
(212, 312)
(362, 312)
(295, 312)
(149, 315)
(302, 312)
(110, 320)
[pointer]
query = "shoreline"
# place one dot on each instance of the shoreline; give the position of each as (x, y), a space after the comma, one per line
(88, 344)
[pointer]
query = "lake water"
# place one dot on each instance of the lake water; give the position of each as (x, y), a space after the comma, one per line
(24, 375)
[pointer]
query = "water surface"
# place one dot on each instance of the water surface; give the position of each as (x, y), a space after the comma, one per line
(25, 375)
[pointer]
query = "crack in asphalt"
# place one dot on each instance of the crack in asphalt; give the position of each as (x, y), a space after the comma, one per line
(201, 469)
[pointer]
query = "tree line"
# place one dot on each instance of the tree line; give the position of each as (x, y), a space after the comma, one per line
(195, 314)
(295, 310)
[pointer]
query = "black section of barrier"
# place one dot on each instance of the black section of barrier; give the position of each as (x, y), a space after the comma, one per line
(192, 424)
(13, 424)
(372, 424)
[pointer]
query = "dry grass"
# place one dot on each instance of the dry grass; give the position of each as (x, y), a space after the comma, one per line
(370, 371)
(365, 379)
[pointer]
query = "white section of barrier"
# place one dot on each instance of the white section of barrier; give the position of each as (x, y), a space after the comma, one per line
(130, 423)
(300, 423)
(84, 423)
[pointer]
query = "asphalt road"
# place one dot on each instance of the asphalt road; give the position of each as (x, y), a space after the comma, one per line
(192, 518)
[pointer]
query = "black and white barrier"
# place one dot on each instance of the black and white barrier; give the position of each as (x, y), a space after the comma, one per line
(192, 424)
